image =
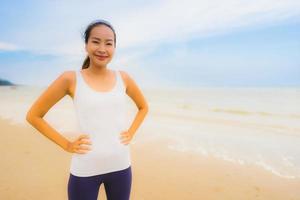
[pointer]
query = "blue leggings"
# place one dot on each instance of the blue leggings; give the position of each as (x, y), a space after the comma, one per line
(117, 186)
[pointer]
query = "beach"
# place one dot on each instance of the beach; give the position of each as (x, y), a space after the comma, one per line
(32, 167)
(216, 144)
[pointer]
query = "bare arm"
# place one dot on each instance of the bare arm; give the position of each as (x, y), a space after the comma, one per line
(56, 91)
(136, 95)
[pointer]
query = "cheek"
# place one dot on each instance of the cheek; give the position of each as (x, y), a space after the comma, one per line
(91, 47)
(111, 50)
(88, 49)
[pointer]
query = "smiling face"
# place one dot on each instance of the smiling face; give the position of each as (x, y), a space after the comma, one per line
(100, 46)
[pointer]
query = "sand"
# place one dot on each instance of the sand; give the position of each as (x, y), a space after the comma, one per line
(33, 167)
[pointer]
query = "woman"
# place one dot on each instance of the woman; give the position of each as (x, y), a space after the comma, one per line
(101, 151)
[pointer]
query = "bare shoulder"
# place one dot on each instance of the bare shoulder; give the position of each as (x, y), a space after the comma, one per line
(69, 75)
(69, 78)
(64, 84)
(131, 85)
(133, 91)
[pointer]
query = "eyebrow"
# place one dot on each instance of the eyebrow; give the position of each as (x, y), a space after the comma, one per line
(100, 39)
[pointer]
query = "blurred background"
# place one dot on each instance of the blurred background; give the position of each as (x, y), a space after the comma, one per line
(222, 78)
(190, 44)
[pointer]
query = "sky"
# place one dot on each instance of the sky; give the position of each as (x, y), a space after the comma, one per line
(191, 43)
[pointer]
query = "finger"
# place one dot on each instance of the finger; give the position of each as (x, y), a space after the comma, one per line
(83, 136)
(77, 144)
(80, 145)
(85, 148)
(123, 136)
(124, 141)
(81, 152)
(122, 133)
(85, 141)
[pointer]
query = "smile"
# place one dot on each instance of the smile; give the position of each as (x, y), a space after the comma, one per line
(101, 57)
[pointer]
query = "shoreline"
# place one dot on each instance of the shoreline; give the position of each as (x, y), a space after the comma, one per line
(33, 166)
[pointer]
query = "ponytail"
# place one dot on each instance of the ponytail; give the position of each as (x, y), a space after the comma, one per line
(86, 63)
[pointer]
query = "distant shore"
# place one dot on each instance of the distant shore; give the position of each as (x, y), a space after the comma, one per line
(5, 82)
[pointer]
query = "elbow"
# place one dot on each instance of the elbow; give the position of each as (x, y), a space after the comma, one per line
(145, 109)
(29, 118)
(32, 115)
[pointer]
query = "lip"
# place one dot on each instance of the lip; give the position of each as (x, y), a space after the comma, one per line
(101, 57)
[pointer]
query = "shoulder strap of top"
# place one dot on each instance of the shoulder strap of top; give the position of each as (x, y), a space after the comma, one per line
(120, 80)
(77, 84)
(78, 80)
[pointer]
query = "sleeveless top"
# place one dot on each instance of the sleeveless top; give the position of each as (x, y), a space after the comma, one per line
(101, 115)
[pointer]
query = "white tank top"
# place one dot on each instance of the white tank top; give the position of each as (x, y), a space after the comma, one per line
(101, 115)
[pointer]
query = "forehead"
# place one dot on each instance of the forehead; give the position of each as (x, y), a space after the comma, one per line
(102, 32)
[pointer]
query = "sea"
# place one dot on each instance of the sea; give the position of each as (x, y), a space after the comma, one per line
(244, 125)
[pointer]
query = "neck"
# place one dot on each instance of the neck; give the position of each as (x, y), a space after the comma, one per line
(98, 70)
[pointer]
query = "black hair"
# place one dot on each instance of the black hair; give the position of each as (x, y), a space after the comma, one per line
(86, 36)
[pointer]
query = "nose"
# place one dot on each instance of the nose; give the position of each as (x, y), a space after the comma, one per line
(101, 48)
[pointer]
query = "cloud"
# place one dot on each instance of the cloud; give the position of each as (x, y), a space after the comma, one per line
(8, 47)
(148, 25)
(173, 21)
(152, 37)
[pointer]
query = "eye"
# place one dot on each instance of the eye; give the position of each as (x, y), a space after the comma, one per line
(109, 43)
(95, 42)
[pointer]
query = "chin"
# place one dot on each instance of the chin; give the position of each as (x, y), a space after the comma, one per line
(100, 61)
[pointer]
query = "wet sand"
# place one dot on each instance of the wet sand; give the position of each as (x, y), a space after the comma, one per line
(33, 167)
